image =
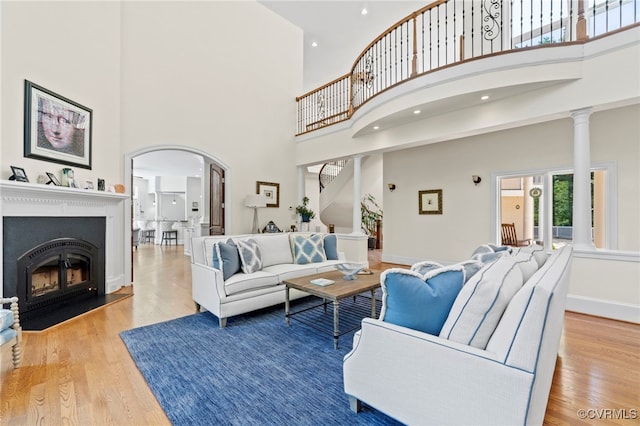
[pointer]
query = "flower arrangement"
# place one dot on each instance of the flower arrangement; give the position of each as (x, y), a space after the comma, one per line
(304, 211)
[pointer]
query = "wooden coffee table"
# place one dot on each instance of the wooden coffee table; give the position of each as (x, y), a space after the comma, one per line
(335, 292)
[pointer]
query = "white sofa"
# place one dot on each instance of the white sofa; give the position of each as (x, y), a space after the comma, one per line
(245, 292)
(420, 378)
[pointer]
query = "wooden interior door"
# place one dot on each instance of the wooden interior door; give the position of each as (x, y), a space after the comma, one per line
(216, 200)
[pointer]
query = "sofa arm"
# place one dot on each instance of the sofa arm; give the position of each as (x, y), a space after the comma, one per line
(419, 378)
(207, 287)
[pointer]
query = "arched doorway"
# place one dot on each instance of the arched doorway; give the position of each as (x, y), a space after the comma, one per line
(209, 207)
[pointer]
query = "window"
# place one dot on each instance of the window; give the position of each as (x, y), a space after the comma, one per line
(523, 201)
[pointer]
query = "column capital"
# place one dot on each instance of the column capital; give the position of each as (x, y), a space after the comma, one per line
(581, 113)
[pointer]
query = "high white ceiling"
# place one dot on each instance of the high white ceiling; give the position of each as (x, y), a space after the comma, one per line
(340, 29)
(341, 32)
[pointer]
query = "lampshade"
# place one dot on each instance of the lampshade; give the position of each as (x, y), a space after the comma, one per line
(255, 200)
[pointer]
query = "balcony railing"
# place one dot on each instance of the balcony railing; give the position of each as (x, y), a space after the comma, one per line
(448, 32)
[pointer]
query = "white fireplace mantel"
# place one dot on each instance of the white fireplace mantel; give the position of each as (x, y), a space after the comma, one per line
(31, 199)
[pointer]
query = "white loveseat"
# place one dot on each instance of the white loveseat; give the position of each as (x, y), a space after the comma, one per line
(420, 378)
(245, 292)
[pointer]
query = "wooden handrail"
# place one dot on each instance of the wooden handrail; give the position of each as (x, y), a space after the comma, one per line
(402, 53)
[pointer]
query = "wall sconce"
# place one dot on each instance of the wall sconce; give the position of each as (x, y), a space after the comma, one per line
(476, 179)
(392, 186)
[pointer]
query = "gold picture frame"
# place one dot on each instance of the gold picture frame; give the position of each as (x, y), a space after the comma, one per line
(430, 201)
(270, 191)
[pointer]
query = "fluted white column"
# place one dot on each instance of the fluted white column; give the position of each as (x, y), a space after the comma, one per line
(581, 180)
(357, 194)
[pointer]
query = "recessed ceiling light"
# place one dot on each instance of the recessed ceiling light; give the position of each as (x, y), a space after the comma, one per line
(417, 111)
(314, 44)
(484, 97)
(364, 11)
(376, 127)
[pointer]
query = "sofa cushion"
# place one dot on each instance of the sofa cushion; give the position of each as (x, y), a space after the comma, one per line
(331, 246)
(471, 267)
(308, 248)
(7, 334)
(420, 302)
(538, 253)
(286, 271)
(226, 258)
(275, 249)
(425, 266)
(250, 255)
(245, 282)
(490, 256)
(527, 264)
(6, 319)
(481, 303)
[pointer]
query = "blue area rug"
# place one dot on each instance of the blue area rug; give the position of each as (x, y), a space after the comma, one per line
(256, 371)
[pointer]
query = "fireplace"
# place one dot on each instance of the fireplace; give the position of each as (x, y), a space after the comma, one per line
(52, 263)
(97, 218)
(58, 271)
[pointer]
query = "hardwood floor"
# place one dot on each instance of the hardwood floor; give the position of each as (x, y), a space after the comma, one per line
(80, 373)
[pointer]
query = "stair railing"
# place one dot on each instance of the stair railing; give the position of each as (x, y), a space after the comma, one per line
(329, 172)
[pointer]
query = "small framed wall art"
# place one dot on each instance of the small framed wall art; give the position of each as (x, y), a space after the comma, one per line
(430, 201)
(56, 129)
(270, 191)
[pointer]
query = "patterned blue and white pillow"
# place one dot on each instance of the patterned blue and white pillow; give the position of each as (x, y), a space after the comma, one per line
(226, 258)
(250, 255)
(308, 249)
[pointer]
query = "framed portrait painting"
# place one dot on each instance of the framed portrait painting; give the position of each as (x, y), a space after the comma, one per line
(270, 191)
(430, 201)
(56, 129)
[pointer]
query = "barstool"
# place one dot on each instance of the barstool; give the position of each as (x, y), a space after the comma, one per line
(168, 233)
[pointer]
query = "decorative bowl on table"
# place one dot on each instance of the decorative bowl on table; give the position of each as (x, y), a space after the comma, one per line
(349, 270)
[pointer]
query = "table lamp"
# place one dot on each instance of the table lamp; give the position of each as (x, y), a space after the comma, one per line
(255, 201)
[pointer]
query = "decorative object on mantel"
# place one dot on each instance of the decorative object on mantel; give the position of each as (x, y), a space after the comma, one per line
(88, 184)
(430, 201)
(18, 174)
(67, 175)
(53, 179)
(56, 129)
(119, 188)
(100, 184)
(270, 191)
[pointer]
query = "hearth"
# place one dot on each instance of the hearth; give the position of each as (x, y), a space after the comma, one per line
(53, 264)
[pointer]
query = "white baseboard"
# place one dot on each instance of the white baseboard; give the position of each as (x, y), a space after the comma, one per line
(604, 308)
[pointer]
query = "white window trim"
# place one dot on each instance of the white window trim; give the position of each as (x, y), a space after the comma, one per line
(611, 202)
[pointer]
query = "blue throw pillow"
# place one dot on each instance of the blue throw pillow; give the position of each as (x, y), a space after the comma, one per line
(420, 302)
(226, 258)
(308, 249)
(331, 246)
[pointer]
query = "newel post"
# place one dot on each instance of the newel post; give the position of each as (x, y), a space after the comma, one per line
(581, 25)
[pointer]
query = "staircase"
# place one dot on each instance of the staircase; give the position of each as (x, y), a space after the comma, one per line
(336, 190)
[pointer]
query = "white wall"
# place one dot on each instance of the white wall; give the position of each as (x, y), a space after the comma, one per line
(185, 83)
(466, 219)
(72, 49)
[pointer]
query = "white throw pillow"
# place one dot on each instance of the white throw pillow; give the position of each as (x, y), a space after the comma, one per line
(250, 255)
(481, 303)
(275, 249)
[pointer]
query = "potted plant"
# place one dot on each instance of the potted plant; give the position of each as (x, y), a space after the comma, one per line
(371, 214)
(306, 214)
